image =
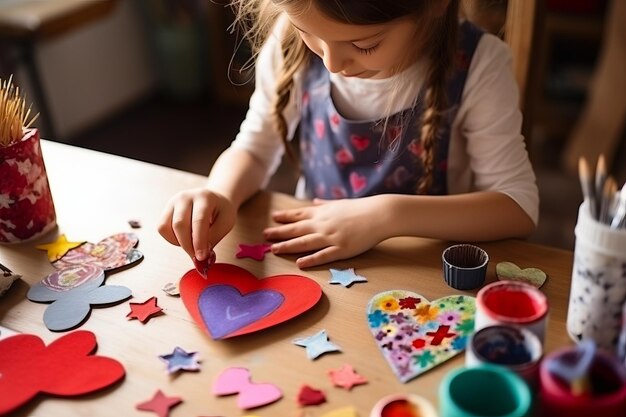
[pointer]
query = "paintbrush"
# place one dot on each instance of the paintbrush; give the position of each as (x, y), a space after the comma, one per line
(619, 219)
(587, 186)
(599, 182)
(608, 199)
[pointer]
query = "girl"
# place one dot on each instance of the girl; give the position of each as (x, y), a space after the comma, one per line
(408, 124)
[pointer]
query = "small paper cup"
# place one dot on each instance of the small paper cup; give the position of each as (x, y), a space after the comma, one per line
(464, 266)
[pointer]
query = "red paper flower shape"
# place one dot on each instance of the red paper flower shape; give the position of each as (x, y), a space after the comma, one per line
(66, 367)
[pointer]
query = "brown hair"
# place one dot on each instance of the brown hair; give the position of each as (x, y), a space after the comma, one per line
(256, 18)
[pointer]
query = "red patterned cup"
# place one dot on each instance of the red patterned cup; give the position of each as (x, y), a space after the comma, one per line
(26, 206)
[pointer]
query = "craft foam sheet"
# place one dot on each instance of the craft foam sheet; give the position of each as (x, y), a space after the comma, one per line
(66, 367)
(414, 334)
(231, 301)
(113, 252)
(72, 292)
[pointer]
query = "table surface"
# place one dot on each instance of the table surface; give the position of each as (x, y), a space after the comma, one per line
(96, 194)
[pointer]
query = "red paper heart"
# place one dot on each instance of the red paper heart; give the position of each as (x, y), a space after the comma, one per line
(65, 367)
(298, 293)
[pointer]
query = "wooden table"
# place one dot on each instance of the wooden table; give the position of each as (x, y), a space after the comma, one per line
(96, 194)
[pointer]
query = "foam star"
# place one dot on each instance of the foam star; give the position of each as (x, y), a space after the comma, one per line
(144, 311)
(345, 277)
(159, 404)
(256, 252)
(180, 360)
(58, 249)
(346, 377)
(317, 345)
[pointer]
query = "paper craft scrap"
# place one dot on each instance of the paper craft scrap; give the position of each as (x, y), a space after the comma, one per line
(113, 252)
(343, 412)
(171, 288)
(134, 223)
(203, 266)
(510, 271)
(232, 302)
(576, 374)
(256, 252)
(7, 278)
(180, 360)
(310, 396)
(345, 277)
(415, 335)
(160, 404)
(66, 367)
(57, 249)
(144, 311)
(251, 395)
(317, 345)
(72, 292)
(346, 377)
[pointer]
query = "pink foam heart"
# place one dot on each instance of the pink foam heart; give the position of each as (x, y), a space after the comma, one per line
(251, 395)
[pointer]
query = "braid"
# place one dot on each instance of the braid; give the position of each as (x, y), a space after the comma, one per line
(442, 55)
(295, 54)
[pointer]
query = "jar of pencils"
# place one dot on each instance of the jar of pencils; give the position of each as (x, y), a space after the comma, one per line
(598, 288)
(26, 206)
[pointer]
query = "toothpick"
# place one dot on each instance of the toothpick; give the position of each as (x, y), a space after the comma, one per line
(14, 119)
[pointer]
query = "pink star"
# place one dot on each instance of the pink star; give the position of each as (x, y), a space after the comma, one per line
(256, 252)
(159, 404)
(144, 311)
(346, 377)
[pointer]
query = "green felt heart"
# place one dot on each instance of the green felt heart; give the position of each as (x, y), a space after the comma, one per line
(510, 271)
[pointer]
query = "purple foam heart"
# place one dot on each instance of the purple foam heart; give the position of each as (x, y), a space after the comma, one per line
(224, 310)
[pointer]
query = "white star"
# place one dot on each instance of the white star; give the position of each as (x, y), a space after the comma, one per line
(5, 201)
(317, 344)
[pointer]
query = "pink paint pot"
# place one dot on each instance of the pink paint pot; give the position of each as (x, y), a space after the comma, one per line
(607, 394)
(512, 303)
(403, 405)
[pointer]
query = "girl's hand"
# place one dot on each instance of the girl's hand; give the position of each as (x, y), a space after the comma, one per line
(197, 220)
(330, 229)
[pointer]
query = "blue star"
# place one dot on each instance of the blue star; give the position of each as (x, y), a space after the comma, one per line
(345, 277)
(181, 360)
(317, 344)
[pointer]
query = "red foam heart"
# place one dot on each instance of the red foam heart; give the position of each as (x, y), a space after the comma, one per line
(299, 294)
(65, 367)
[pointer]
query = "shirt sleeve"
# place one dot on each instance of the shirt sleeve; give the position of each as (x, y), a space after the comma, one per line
(491, 125)
(257, 133)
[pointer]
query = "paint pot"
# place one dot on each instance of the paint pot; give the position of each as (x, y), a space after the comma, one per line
(514, 348)
(403, 405)
(512, 303)
(464, 266)
(484, 390)
(605, 396)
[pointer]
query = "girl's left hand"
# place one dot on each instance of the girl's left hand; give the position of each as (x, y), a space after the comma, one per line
(329, 230)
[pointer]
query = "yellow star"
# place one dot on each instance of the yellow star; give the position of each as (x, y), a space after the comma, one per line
(56, 250)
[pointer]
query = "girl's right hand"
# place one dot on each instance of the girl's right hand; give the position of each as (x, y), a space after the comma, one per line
(197, 220)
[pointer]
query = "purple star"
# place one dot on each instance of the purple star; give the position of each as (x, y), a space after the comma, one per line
(256, 252)
(180, 360)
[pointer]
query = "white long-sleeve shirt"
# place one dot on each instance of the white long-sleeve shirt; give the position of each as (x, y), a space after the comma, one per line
(487, 151)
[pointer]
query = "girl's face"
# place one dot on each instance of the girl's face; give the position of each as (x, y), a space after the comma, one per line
(364, 51)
